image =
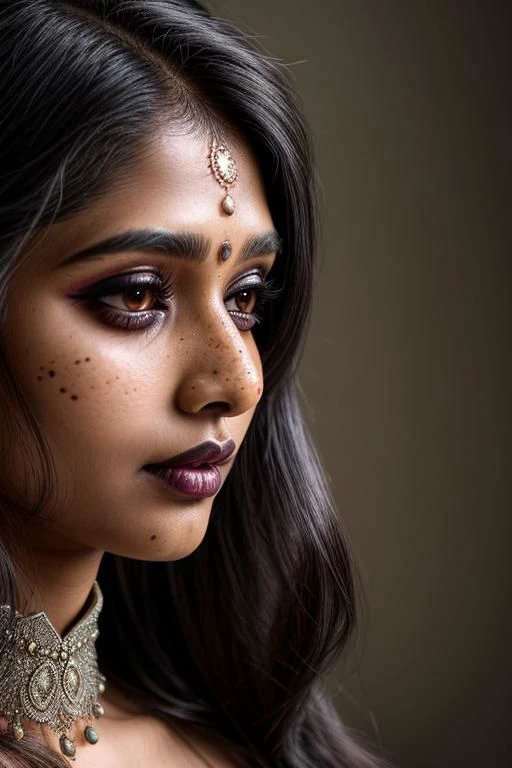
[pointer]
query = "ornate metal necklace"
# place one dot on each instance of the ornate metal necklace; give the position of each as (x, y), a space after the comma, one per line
(51, 680)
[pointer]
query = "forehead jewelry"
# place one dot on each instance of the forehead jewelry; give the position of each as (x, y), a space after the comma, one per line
(47, 679)
(225, 171)
(225, 250)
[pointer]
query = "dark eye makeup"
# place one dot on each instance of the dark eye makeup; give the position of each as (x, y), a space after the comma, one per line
(138, 300)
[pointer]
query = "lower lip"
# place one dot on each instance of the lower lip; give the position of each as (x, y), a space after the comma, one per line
(190, 481)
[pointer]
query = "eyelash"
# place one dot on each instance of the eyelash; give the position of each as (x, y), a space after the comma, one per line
(160, 286)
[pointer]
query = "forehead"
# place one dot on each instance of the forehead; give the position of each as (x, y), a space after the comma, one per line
(170, 186)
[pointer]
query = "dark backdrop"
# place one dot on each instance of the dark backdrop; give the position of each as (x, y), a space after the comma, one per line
(405, 372)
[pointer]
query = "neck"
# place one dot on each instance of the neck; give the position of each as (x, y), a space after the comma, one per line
(58, 583)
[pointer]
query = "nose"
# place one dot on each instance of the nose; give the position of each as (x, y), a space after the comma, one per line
(222, 372)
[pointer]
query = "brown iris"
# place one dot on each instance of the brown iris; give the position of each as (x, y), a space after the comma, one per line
(139, 298)
(246, 300)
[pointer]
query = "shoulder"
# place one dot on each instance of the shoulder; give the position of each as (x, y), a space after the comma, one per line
(206, 750)
(162, 740)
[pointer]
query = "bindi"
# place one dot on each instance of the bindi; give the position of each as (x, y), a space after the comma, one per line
(225, 250)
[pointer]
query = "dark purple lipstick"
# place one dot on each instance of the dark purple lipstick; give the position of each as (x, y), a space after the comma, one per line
(194, 473)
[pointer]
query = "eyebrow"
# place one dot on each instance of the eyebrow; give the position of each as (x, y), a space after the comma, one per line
(182, 245)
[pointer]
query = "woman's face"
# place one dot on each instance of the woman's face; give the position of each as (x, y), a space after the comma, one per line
(130, 358)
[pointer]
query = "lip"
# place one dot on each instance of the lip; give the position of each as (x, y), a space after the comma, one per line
(194, 473)
(208, 452)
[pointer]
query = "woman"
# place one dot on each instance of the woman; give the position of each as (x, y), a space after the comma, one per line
(157, 240)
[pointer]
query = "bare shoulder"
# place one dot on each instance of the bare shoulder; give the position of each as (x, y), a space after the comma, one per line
(160, 742)
(207, 751)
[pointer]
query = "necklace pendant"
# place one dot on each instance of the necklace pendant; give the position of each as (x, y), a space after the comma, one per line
(16, 726)
(91, 735)
(67, 747)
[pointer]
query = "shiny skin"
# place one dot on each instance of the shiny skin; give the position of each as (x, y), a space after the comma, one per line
(111, 400)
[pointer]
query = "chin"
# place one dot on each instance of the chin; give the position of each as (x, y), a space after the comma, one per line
(171, 539)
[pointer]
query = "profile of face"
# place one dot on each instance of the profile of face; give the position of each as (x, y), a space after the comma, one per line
(132, 353)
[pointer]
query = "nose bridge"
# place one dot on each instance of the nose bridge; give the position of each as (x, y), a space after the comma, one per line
(220, 369)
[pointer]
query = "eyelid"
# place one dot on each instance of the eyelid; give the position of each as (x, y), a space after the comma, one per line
(162, 272)
(248, 280)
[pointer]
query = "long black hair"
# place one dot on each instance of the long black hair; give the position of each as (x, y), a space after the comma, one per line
(235, 639)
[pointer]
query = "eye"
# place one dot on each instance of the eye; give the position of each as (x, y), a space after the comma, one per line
(132, 302)
(134, 298)
(246, 298)
(245, 301)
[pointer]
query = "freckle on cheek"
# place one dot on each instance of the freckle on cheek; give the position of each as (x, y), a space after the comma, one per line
(74, 397)
(51, 374)
(153, 537)
(63, 390)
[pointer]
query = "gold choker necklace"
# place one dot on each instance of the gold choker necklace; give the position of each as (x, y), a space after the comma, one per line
(47, 679)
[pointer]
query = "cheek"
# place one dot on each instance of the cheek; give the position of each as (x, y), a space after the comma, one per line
(74, 379)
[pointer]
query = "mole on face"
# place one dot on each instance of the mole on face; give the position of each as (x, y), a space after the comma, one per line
(51, 374)
(74, 397)
(63, 390)
(153, 537)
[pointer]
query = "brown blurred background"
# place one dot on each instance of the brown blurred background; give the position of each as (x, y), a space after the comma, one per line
(406, 370)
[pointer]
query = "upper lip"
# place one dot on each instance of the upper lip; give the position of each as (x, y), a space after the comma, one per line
(208, 452)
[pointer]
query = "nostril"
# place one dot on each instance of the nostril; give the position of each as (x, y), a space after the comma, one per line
(219, 405)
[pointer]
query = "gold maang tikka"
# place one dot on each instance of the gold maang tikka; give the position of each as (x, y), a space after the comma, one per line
(225, 171)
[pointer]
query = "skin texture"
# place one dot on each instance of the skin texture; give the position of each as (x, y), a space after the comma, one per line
(111, 400)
